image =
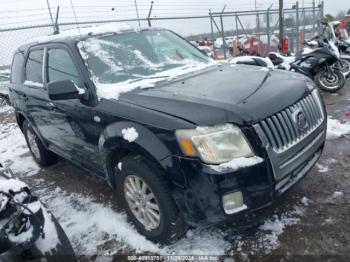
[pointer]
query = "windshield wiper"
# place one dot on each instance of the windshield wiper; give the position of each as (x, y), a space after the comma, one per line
(147, 77)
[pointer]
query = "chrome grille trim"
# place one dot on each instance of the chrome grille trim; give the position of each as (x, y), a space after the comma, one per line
(281, 130)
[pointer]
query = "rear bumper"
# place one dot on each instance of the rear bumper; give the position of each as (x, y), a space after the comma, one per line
(199, 192)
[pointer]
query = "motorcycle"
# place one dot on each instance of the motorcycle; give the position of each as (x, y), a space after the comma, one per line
(318, 64)
(27, 230)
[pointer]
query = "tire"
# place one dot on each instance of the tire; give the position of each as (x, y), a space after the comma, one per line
(335, 83)
(40, 154)
(171, 226)
(344, 67)
(4, 100)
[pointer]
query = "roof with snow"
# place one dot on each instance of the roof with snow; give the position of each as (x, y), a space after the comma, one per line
(81, 32)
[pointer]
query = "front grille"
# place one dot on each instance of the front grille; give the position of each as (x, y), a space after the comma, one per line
(287, 127)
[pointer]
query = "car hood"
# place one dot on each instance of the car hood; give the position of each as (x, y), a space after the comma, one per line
(229, 93)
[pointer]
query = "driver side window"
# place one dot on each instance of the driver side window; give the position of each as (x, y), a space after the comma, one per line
(61, 66)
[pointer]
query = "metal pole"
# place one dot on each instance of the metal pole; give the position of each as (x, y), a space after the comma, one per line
(237, 34)
(321, 7)
(212, 29)
(222, 32)
(53, 24)
(223, 36)
(297, 24)
(137, 13)
(281, 21)
(268, 29)
(313, 16)
(149, 15)
(57, 30)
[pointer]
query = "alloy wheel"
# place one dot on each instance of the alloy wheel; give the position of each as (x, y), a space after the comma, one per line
(33, 144)
(142, 202)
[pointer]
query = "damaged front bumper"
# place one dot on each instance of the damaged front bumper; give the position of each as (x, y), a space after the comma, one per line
(199, 190)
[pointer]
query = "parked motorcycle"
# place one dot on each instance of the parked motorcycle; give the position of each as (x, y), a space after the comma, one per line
(27, 230)
(318, 64)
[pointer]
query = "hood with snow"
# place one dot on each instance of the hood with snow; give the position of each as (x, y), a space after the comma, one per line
(238, 94)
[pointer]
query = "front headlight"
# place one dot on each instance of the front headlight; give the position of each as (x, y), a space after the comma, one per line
(214, 145)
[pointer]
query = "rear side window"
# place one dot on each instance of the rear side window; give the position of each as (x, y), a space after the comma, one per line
(61, 66)
(34, 66)
(16, 69)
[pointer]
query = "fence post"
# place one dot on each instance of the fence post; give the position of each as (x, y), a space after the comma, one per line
(321, 6)
(223, 36)
(212, 30)
(222, 32)
(57, 29)
(268, 30)
(297, 24)
(149, 14)
(237, 34)
(313, 16)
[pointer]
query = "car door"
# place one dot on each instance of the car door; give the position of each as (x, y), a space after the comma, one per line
(74, 131)
(34, 94)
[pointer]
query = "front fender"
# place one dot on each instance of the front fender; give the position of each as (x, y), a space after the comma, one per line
(146, 143)
(112, 137)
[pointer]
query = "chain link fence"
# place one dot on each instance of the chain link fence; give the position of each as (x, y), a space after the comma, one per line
(254, 30)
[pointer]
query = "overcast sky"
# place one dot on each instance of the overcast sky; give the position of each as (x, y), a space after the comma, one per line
(23, 12)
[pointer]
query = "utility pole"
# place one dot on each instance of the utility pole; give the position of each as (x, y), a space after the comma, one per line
(281, 21)
(137, 13)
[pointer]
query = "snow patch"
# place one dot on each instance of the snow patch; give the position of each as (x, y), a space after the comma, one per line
(337, 194)
(305, 201)
(265, 69)
(89, 224)
(275, 226)
(88, 30)
(120, 165)
(337, 129)
(33, 84)
(51, 241)
(6, 108)
(237, 163)
(11, 184)
(114, 90)
(322, 168)
(14, 152)
(130, 134)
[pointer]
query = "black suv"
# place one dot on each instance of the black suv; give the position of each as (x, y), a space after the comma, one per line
(184, 140)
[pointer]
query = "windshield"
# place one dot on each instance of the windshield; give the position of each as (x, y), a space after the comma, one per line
(137, 55)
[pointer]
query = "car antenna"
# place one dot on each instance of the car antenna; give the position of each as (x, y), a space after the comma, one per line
(75, 16)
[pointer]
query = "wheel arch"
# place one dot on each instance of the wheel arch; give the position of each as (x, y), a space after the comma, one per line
(114, 147)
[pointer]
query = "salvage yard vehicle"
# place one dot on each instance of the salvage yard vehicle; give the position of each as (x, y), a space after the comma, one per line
(4, 85)
(28, 232)
(183, 139)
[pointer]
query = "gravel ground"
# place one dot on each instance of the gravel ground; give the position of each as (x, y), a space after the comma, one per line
(311, 223)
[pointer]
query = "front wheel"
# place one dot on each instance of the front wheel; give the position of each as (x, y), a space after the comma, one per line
(330, 80)
(344, 66)
(145, 197)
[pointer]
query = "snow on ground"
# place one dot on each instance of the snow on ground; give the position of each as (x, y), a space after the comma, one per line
(337, 194)
(5, 109)
(305, 201)
(14, 152)
(321, 168)
(336, 129)
(269, 232)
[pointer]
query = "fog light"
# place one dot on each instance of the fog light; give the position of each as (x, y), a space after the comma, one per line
(233, 202)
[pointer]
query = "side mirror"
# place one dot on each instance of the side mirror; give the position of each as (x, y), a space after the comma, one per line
(64, 90)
